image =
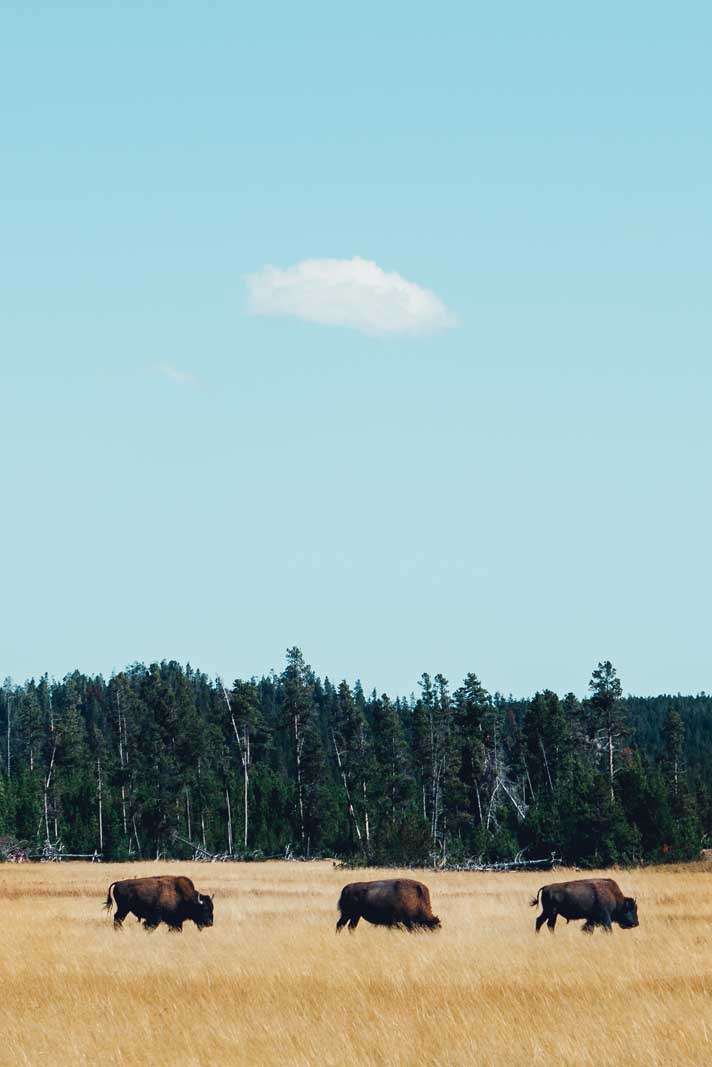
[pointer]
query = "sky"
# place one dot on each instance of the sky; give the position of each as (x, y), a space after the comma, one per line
(381, 330)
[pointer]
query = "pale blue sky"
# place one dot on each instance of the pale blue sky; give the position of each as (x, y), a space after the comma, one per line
(521, 496)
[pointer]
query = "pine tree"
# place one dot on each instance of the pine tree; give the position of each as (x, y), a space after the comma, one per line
(73, 788)
(547, 742)
(673, 747)
(393, 775)
(153, 758)
(607, 724)
(474, 711)
(309, 763)
(437, 752)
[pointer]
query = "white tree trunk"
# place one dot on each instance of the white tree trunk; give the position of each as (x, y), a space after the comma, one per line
(350, 806)
(229, 822)
(101, 819)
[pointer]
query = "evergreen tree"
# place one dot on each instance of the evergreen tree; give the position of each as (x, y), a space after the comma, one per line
(153, 760)
(474, 718)
(548, 741)
(394, 783)
(607, 723)
(673, 747)
(309, 760)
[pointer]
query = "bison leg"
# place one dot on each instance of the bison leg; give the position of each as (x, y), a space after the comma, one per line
(119, 917)
(151, 922)
(175, 928)
(540, 920)
(588, 927)
(551, 920)
(340, 924)
(353, 922)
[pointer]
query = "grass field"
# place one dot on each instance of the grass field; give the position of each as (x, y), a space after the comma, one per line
(271, 983)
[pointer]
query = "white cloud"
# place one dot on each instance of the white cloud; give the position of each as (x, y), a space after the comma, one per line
(175, 374)
(347, 292)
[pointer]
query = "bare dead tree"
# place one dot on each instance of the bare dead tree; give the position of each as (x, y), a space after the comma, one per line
(546, 764)
(364, 791)
(187, 810)
(48, 780)
(138, 843)
(101, 818)
(47, 783)
(229, 821)
(349, 803)
(243, 747)
(123, 756)
(202, 802)
(498, 773)
(297, 689)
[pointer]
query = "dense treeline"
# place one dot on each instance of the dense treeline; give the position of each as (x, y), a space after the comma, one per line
(162, 755)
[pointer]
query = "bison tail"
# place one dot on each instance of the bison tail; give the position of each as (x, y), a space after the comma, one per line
(533, 903)
(108, 903)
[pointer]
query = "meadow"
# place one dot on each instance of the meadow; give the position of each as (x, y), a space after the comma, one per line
(271, 983)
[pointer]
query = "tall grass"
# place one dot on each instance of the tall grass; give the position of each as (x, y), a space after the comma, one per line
(271, 983)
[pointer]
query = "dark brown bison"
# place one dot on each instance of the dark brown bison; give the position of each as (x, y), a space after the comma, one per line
(398, 902)
(167, 898)
(597, 900)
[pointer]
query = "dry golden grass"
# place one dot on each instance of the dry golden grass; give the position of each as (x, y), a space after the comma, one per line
(271, 983)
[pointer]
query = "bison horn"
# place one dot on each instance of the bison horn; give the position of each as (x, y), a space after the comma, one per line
(200, 899)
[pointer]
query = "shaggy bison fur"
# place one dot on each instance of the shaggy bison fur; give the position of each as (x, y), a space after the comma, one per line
(165, 898)
(399, 902)
(597, 900)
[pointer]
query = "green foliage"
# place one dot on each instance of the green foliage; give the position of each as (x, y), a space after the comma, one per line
(161, 759)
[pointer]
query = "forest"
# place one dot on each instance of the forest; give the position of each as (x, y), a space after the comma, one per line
(162, 760)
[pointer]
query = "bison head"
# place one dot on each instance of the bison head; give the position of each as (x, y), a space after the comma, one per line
(202, 911)
(628, 913)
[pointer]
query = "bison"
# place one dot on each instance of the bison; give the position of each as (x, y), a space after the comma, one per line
(400, 902)
(171, 899)
(597, 900)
